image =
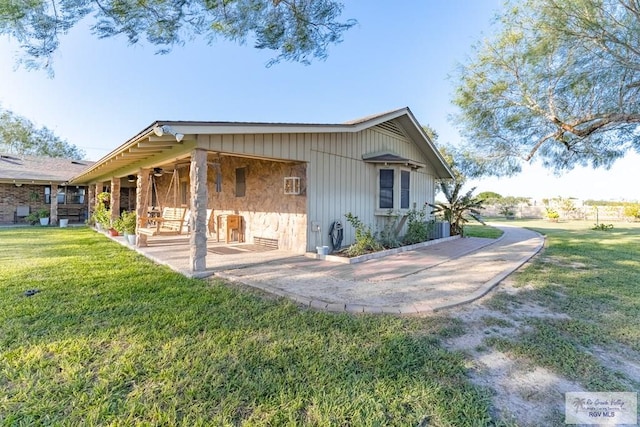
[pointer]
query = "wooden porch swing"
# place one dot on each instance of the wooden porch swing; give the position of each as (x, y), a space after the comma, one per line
(171, 219)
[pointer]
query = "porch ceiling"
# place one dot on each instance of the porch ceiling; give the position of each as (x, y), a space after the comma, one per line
(143, 151)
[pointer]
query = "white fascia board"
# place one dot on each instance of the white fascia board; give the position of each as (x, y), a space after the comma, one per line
(228, 129)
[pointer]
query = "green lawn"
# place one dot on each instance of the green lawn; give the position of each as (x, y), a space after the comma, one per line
(592, 277)
(479, 230)
(112, 339)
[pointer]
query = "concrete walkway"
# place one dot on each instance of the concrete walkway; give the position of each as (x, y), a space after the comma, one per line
(420, 281)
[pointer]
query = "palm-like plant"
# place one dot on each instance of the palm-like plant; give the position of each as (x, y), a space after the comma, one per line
(458, 206)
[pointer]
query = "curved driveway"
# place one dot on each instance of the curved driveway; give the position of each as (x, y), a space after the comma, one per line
(423, 280)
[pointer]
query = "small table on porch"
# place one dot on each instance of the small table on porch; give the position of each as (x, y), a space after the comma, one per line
(232, 222)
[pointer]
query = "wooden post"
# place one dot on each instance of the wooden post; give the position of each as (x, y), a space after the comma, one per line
(115, 199)
(91, 200)
(142, 188)
(198, 206)
(53, 215)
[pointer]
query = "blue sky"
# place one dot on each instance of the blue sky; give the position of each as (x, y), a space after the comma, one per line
(400, 54)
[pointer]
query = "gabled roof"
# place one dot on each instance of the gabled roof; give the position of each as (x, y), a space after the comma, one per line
(154, 141)
(25, 169)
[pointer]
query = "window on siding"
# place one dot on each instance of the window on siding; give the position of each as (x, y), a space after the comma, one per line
(394, 188)
(241, 185)
(404, 189)
(386, 189)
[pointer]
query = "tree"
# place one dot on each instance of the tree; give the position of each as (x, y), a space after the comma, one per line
(458, 206)
(298, 29)
(560, 81)
(489, 196)
(19, 136)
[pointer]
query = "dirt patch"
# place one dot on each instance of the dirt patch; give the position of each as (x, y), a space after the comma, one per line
(522, 393)
(560, 262)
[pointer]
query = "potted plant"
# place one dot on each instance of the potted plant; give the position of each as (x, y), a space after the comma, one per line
(101, 216)
(127, 223)
(43, 215)
(103, 199)
(32, 218)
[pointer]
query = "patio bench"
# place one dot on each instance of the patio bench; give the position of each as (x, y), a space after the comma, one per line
(70, 213)
(170, 222)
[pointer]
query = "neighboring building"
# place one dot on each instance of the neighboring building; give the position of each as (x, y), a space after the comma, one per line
(288, 182)
(27, 184)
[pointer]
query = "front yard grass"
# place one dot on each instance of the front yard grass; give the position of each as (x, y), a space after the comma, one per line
(112, 339)
(588, 279)
(479, 230)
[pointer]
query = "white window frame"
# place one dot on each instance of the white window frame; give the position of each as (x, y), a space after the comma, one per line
(397, 190)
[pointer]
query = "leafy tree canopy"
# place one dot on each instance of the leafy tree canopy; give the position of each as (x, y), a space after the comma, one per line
(559, 82)
(489, 196)
(19, 136)
(297, 29)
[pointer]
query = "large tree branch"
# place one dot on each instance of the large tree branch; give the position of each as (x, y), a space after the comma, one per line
(596, 123)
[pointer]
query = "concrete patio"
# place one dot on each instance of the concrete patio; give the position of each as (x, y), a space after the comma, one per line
(173, 251)
(428, 279)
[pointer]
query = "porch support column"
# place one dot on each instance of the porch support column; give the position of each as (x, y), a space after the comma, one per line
(199, 202)
(95, 193)
(142, 188)
(53, 215)
(91, 200)
(115, 198)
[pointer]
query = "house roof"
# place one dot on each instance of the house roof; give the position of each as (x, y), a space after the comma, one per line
(164, 135)
(25, 169)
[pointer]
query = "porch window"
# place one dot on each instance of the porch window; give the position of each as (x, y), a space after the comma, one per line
(75, 195)
(241, 185)
(66, 195)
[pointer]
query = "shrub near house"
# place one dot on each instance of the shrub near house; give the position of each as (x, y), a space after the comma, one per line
(367, 241)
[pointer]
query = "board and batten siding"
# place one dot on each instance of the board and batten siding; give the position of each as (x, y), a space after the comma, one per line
(266, 146)
(339, 181)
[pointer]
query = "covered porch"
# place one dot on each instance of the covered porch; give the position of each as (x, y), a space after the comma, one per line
(208, 185)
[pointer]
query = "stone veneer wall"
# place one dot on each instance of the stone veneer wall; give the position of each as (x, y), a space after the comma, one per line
(267, 212)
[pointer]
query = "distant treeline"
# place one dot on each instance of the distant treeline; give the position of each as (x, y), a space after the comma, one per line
(607, 203)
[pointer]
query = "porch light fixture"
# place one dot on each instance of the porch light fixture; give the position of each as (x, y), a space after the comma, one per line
(131, 178)
(157, 171)
(161, 130)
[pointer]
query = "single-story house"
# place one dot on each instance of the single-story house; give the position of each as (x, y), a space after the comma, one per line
(287, 182)
(28, 183)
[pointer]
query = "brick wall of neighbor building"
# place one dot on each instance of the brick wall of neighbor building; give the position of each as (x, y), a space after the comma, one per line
(32, 195)
(26, 195)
